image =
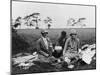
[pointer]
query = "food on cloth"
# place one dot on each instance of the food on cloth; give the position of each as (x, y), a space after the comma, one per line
(25, 61)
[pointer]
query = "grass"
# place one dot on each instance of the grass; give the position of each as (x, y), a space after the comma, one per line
(86, 35)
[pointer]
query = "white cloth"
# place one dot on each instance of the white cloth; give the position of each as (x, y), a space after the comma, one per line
(88, 53)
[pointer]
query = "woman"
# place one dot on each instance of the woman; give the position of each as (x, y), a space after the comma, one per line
(62, 39)
(71, 47)
(60, 43)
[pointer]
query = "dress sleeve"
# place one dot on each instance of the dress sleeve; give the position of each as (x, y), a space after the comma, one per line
(78, 45)
(39, 49)
(65, 46)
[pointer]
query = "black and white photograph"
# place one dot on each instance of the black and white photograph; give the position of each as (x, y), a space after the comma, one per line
(52, 37)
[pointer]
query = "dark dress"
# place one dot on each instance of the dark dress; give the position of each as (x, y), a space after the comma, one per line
(61, 42)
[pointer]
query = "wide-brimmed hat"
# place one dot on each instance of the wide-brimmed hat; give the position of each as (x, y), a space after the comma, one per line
(44, 32)
(73, 32)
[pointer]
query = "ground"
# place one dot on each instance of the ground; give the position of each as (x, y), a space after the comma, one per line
(30, 36)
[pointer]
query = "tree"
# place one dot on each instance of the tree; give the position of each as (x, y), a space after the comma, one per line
(26, 19)
(48, 21)
(73, 22)
(36, 19)
(80, 22)
(17, 22)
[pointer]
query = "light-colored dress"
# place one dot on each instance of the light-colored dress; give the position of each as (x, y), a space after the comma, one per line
(71, 48)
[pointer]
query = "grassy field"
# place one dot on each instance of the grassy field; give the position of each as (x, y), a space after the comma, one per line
(86, 35)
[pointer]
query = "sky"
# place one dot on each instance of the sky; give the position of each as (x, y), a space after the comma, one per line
(59, 13)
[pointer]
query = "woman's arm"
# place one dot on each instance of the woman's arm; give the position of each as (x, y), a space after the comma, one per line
(78, 45)
(65, 46)
(39, 49)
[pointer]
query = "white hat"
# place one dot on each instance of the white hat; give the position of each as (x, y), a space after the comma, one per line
(73, 31)
(44, 31)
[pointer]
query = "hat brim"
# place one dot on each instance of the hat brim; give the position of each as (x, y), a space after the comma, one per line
(73, 34)
(44, 32)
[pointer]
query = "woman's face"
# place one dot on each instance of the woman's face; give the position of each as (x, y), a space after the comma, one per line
(73, 36)
(44, 35)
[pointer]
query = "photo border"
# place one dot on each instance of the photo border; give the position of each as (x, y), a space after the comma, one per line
(95, 6)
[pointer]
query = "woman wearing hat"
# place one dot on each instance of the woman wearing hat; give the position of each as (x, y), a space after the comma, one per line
(71, 46)
(44, 46)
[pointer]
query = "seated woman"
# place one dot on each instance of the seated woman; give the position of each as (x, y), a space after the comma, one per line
(58, 51)
(62, 39)
(44, 46)
(71, 46)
